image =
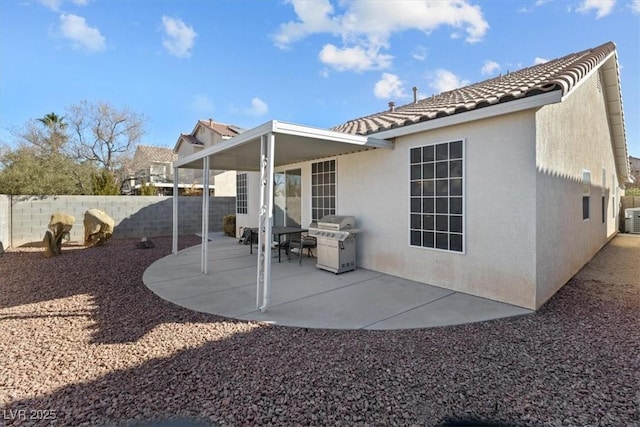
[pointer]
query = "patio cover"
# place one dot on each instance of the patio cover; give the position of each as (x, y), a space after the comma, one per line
(261, 149)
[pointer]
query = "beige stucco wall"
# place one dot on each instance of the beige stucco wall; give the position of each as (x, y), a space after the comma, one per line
(571, 136)
(500, 174)
(225, 184)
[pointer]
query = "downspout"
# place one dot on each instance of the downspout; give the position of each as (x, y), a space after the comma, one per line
(174, 244)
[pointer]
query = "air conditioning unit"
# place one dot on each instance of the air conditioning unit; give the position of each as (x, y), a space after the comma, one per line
(632, 220)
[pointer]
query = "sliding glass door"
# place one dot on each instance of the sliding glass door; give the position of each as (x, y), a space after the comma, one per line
(287, 198)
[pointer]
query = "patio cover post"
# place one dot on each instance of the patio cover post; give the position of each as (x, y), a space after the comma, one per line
(174, 242)
(265, 221)
(205, 214)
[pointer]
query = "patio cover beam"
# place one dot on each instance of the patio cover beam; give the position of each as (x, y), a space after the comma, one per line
(265, 222)
(205, 215)
(174, 237)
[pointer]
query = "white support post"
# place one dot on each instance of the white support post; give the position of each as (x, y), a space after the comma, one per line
(265, 237)
(205, 214)
(174, 244)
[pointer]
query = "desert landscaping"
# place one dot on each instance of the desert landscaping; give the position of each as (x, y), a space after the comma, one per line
(84, 342)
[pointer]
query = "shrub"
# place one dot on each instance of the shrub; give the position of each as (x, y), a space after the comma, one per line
(148, 190)
(633, 191)
(229, 225)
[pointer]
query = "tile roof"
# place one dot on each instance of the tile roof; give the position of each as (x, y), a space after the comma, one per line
(146, 153)
(191, 139)
(221, 128)
(558, 74)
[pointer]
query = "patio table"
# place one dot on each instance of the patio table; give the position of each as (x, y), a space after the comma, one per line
(278, 232)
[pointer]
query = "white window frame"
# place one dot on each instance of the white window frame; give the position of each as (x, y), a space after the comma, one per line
(586, 192)
(614, 193)
(335, 184)
(463, 216)
(242, 205)
(603, 200)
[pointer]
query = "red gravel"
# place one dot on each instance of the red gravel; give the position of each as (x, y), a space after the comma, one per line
(84, 342)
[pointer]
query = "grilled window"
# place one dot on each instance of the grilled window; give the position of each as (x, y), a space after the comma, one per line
(604, 194)
(323, 189)
(437, 190)
(241, 193)
(586, 194)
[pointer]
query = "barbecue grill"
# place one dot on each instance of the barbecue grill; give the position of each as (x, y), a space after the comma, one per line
(336, 237)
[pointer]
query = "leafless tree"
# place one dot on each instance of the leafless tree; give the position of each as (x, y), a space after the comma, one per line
(104, 134)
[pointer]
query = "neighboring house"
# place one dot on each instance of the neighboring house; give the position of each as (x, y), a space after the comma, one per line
(208, 133)
(634, 162)
(150, 166)
(502, 189)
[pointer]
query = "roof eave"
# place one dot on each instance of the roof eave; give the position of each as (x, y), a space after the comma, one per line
(613, 97)
(522, 104)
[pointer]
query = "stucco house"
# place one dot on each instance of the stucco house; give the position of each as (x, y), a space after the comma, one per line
(208, 133)
(150, 166)
(634, 162)
(502, 189)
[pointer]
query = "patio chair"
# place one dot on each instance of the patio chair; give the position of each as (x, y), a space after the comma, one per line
(299, 244)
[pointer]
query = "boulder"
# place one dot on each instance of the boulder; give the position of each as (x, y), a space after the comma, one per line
(49, 244)
(60, 225)
(144, 243)
(98, 227)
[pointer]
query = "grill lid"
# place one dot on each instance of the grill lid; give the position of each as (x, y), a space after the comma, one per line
(336, 222)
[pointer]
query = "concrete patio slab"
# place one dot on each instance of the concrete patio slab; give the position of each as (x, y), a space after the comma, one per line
(305, 296)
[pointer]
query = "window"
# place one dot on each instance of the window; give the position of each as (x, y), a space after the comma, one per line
(436, 214)
(323, 189)
(241, 193)
(604, 194)
(586, 193)
(614, 192)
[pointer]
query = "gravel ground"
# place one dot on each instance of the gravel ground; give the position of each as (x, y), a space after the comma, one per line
(84, 342)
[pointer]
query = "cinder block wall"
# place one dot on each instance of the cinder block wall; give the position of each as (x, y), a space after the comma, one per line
(5, 220)
(134, 216)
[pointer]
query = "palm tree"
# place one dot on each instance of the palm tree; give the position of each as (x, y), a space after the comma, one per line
(56, 127)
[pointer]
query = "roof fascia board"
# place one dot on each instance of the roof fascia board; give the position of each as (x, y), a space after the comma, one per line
(610, 78)
(313, 132)
(469, 116)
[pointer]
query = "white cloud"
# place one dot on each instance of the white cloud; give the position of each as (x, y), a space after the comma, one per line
(201, 105)
(489, 67)
(538, 60)
(364, 33)
(389, 86)
(83, 36)
(420, 53)
(443, 80)
(179, 38)
(314, 18)
(55, 4)
(258, 108)
(602, 7)
(635, 7)
(353, 58)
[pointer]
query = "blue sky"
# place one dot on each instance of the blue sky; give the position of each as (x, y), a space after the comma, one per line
(314, 62)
